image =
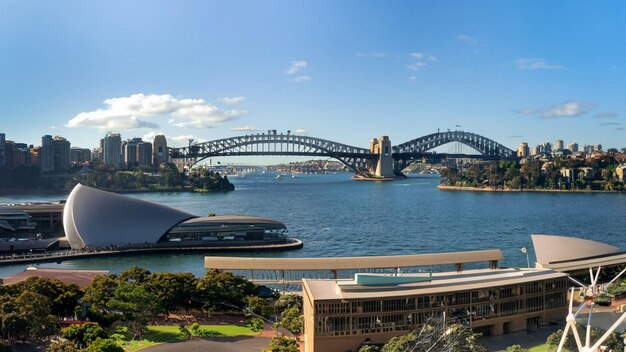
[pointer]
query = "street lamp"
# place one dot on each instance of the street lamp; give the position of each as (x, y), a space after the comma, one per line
(525, 251)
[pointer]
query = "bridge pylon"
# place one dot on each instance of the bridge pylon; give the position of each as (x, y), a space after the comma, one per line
(384, 164)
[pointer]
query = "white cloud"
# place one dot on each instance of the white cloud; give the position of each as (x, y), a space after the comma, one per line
(299, 131)
(231, 100)
(301, 79)
(432, 58)
(416, 66)
(467, 39)
(183, 140)
(296, 66)
(149, 137)
(535, 64)
(413, 78)
(528, 111)
(134, 112)
(416, 55)
(245, 128)
(568, 109)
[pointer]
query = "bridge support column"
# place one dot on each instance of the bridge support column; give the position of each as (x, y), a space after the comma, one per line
(382, 147)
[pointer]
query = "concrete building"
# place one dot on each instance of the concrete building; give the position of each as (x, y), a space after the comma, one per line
(340, 315)
(35, 159)
(159, 150)
(144, 153)
(96, 154)
(2, 148)
(80, 155)
(130, 151)
(112, 149)
(45, 155)
(54, 154)
(60, 153)
(523, 150)
(573, 147)
(559, 145)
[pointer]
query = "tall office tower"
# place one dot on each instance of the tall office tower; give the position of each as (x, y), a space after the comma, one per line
(60, 153)
(112, 152)
(144, 153)
(559, 145)
(573, 147)
(45, 154)
(159, 150)
(598, 147)
(2, 157)
(130, 151)
(536, 150)
(523, 150)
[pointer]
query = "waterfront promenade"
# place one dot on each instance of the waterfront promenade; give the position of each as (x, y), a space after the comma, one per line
(64, 255)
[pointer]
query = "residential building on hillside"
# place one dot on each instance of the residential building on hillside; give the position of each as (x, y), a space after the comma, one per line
(112, 149)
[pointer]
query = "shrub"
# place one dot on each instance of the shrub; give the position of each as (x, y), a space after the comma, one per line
(257, 324)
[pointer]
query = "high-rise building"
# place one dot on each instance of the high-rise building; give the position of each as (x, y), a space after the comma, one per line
(598, 147)
(558, 145)
(2, 157)
(144, 153)
(130, 150)
(80, 155)
(538, 149)
(60, 153)
(35, 153)
(547, 147)
(159, 149)
(523, 150)
(573, 147)
(112, 152)
(45, 154)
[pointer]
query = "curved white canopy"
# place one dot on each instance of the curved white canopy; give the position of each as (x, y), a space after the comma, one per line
(96, 218)
(550, 248)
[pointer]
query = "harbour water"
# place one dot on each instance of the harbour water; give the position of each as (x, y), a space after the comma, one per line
(335, 216)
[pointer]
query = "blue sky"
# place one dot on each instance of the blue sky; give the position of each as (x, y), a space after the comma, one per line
(347, 71)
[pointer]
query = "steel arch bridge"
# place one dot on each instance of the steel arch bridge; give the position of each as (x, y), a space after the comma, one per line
(354, 158)
(359, 160)
(484, 145)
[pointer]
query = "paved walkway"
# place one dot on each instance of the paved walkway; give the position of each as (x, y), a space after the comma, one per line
(221, 344)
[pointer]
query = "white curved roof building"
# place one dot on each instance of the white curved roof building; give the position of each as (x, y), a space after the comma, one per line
(95, 218)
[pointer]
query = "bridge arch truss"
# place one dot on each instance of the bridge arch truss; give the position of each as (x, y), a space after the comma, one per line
(422, 145)
(354, 158)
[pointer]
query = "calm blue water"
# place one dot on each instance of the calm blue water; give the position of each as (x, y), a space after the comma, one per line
(335, 216)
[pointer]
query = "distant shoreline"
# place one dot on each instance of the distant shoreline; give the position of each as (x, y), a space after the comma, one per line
(39, 191)
(491, 189)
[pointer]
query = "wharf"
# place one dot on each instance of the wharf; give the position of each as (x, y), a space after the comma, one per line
(58, 257)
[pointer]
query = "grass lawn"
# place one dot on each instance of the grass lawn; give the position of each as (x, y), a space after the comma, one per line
(540, 348)
(166, 333)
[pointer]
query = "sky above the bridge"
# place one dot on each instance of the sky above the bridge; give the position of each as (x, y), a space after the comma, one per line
(347, 71)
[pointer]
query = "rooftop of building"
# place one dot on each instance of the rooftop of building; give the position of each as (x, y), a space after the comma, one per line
(82, 278)
(231, 219)
(442, 282)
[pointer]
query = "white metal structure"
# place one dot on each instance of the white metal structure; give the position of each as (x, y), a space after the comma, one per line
(590, 293)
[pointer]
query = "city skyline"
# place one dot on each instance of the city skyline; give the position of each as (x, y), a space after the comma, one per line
(349, 71)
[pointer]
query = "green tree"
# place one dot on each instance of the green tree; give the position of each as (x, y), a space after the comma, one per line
(259, 306)
(173, 290)
(292, 320)
(82, 335)
(283, 344)
(224, 288)
(134, 305)
(135, 275)
(104, 345)
(97, 295)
